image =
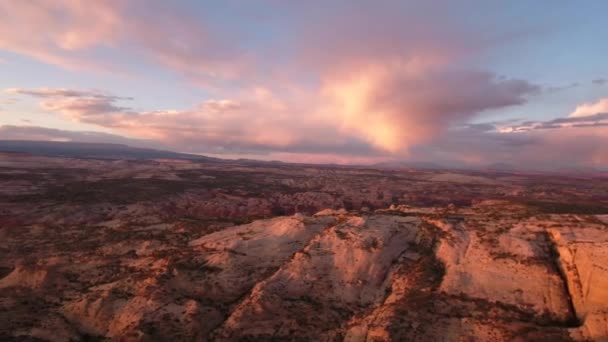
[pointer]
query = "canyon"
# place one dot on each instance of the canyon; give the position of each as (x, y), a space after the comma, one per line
(97, 249)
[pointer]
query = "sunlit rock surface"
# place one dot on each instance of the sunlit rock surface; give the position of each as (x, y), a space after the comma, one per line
(583, 259)
(336, 276)
(159, 250)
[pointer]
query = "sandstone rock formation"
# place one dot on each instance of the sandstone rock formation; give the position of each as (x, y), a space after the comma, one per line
(583, 259)
(492, 272)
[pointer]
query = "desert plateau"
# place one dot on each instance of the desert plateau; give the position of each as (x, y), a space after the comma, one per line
(96, 249)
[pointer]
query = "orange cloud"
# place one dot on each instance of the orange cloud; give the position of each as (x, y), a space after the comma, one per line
(394, 106)
(254, 121)
(390, 108)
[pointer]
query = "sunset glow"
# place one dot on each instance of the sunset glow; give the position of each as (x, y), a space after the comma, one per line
(392, 80)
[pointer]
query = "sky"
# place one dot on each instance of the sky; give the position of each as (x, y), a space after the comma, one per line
(466, 83)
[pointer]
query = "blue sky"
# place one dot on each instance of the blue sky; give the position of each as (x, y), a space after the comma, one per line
(337, 81)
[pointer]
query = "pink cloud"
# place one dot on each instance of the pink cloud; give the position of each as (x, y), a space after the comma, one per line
(390, 109)
(62, 92)
(377, 83)
(587, 109)
(228, 128)
(397, 106)
(392, 79)
(549, 150)
(68, 33)
(53, 31)
(568, 147)
(542, 145)
(259, 120)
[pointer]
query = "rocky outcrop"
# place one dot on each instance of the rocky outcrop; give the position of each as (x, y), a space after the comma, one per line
(489, 273)
(582, 256)
(340, 273)
(504, 270)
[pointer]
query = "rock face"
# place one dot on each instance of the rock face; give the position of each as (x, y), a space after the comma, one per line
(242, 256)
(583, 259)
(510, 272)
(341, 272)
(492, 272)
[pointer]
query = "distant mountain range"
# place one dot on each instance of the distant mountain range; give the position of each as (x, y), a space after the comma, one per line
(119, 151)
(397, 165)
(92, 150)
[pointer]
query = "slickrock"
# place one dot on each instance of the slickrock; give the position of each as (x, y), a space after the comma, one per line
(582, 254)
(238, 257)
(145, 250)
(486, 273)
(338, 274)
(502, 270)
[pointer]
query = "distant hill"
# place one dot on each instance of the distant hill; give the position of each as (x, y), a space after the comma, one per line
(408, 165)
(92, 150)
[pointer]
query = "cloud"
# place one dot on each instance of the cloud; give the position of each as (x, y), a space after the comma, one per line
(387, 109)
(71, 34)
(50, 30)
(396, 107)
(215, 127)
(555, 89)
(565, 142)
(62, 92)
(379, 73)
(469, 146)
(540, 149)
(599, 81)
(387, 74)
(595, 120)
(587, 109)
(11, 132)
(481, 127)
(85, 109)
(370, 80)
(257, 123)
(86, 106)
(209, 49)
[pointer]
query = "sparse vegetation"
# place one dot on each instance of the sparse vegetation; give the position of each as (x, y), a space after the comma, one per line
(183, 249)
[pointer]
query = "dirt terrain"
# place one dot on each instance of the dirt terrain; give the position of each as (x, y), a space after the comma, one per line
(94, 249)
